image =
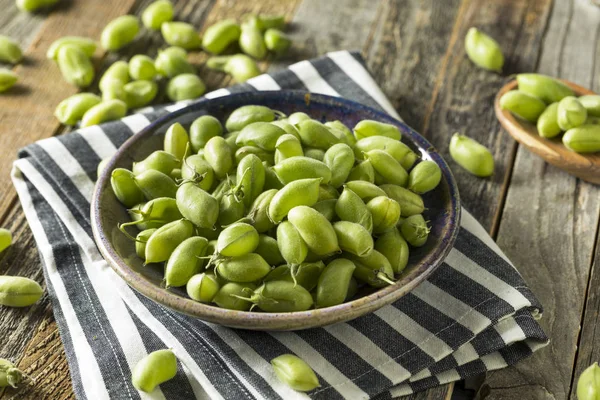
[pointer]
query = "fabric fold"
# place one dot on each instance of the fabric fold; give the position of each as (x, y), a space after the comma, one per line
(473, 314)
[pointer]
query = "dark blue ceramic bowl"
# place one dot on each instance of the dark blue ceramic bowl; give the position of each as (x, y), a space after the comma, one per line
(443, 213)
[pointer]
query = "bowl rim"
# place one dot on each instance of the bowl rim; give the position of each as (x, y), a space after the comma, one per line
(279, 321)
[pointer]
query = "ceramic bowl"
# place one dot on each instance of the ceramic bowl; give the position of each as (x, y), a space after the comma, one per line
(443, 213)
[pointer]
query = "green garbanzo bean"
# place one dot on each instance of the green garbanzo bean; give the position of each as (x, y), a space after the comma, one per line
(314, 228)
(154, 369)
(197, 205)
(139, 93)
(18, 291)
(119, 32)
(172, 61)
(546, 88)
(159, 160)
(260, 134)
(277, 41)
(583, 139)
(484, 51)
(117, 72)
(300, 192)
(219, 36)
(591, 103)
(140, 242)
(203, 129)
(184, 262)
(141, 67)
(393, 246)
(385, 212)
(367, 128)
(571, 113)
(415, 230)
(203, 287)
(292, 247)
(176, 141)
(547, 123)
(240, 66)
(71, 110)
(332, 287)
(5, 239)
(102, 112)
(75, 65)
(288, 146)
(281, 296)
(124, 187)
(251, 41)
(157, 13)
(88, 46)
(165, 240)
(295, 372)
(353, 238)
(7, 79)
(246, 268)
(231, 294)
(9, 374)
(268, 249)
(246, 115)
(424, 177)
(181, 34)
(185, 87)
(198, 165)
(410, 202)
(295, 168)
(10, 51)
(265, 22)
(34, 5)
(523, 105)
(236, 240)
(363, 171)
(588, 384)
(471, 155)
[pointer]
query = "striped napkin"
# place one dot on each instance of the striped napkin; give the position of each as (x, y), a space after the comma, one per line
(474, 314)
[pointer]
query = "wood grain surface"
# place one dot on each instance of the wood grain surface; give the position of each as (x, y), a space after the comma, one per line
(544, 219)
(549, 225)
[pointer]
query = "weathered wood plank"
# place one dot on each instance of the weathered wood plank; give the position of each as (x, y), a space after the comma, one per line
(418, 58)
(549, 226)
(319, 27)
(439, 91)
(589, 342)
(588, 347)
(30, 336)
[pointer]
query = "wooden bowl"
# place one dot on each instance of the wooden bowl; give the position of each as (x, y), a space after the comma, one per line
(584, 166)
(443, 213)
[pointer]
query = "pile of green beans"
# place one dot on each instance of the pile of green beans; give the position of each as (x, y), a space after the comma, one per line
(553, 107)
(135, 84)
(256, 37)
(280, 213)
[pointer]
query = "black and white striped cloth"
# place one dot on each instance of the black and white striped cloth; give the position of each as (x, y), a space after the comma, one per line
(474, 314)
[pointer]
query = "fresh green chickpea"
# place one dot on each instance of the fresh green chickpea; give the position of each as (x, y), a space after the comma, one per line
(472, 156)
(154, 369)
(484, 51)
(295, 372)
(119, 32)
(157, 13)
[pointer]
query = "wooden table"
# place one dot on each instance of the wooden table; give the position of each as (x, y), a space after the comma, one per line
(545, 220)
